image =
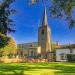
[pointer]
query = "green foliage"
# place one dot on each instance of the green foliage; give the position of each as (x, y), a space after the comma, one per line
(6, 23)
(71, 57)
(60, 8)
(7, 46)
(64, 8)
(54, 55)
(3, 40)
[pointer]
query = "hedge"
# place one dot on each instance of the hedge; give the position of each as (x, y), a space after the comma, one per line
(71, 57)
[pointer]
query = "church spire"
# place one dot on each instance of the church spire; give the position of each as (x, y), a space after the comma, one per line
(44, 22)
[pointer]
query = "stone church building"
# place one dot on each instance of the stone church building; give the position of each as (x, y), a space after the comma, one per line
(44, 37)
(44, 49)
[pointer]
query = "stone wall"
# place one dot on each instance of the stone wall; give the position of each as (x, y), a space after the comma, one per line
(17, 60)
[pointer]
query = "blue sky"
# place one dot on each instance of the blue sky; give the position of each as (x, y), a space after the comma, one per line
(29, 18)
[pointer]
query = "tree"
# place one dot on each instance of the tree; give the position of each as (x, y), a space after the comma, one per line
(3, 40)
(8, 46)
(6, 24)
(64, 8)
(61, 8)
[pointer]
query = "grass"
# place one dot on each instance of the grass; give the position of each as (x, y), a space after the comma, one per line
(53, 68)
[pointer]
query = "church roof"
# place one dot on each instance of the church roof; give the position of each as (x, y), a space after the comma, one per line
(27, 45)
(44, 22)
(66, 46)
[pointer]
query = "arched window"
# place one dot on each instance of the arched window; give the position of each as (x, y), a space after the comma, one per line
(42, 32)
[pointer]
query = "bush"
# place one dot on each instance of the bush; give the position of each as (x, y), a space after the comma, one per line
(71, 57)
(7, 45)
(3, 40)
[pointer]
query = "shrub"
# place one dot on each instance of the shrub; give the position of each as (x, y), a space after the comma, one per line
(3, 40)
(7, 45)
(71, 57)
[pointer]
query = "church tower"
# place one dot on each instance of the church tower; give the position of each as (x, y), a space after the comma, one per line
(44, 36)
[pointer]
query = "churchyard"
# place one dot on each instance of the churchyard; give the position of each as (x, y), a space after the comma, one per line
(52, 68)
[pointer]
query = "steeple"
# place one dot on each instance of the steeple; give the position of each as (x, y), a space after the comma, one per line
(44, 22)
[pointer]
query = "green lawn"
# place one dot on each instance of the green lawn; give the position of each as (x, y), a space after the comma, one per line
(54, 68)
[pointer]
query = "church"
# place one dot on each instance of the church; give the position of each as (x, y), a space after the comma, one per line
(44, 49)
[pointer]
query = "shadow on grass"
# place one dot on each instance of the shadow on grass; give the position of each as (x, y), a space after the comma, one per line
(21, 68)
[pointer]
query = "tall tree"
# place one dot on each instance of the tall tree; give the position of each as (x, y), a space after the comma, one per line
(7, 45)
(61, 8)
(6, 24)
